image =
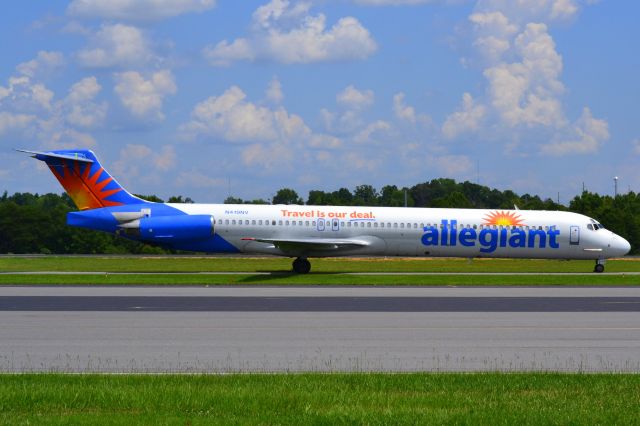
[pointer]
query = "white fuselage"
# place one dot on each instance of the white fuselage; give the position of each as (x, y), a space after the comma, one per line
(396, 231)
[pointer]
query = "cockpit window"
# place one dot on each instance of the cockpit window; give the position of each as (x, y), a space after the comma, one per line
(590, 226)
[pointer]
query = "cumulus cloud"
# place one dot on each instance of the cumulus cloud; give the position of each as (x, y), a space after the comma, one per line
(28, 106)
(141, 162)
(526, 92)
(467, 119)
(391, 2)
(274, 91)
(353, 98)
(116, 45)
(44, 62)
(588, 134)
(522, 70)
(231, 117)
(267, 137)
(82, 110)
(401, 110)
(136, 9)
(144, 97)
(288, 34)
(10, 121)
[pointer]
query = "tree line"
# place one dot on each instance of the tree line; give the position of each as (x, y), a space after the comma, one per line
(32, 223)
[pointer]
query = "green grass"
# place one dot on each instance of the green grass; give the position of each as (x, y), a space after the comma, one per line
(277, 264)
(292, 399)
(322, 279)
(332, 271)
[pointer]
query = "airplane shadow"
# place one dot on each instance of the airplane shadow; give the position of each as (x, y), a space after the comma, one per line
(278, 275)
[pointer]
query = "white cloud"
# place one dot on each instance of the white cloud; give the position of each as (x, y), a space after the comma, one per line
(401, 110)
(29, 107)
(288, 34)
(82, 110)
(231, 117)
(43, 62)
(136, 9)
(392, 2)
(453, 166)
(468, 119)
(23, 95)
(142, 97)
(10, 121)
(353, 98)
(527, 92)
(225, 53)
(375, 132)
(589, 134)
(196, 179)
(141, 162)
(268, 137)
(116, 45)
(274, 91)
(523, 11)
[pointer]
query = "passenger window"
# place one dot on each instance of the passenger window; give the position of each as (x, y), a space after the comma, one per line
(293, 223)
(368, 224)
(306, 223)
(375, 225)
(273, 222)
(382, 225)
(233, 222)
(361, 224)
(348, 224)
(286, 223)
(253, 222)
(313, 223)
(402, 225)
(226, 221)
(219, 221)
(395, 224)
(299, 223)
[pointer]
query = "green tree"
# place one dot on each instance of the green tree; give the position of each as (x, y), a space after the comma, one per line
(287, 196)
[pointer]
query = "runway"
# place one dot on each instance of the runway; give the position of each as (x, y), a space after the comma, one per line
(265, 329)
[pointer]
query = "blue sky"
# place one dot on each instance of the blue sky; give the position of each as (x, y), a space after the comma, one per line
(206, 97)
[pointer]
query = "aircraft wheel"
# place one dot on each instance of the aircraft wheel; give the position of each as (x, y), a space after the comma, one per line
(598, 268)
(301, 266)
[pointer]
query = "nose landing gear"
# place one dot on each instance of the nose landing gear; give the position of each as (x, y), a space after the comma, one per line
(599, 266)
(301, 265)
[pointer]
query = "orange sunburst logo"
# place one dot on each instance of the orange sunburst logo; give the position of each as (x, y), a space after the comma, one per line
(506, 218)
(86, 191)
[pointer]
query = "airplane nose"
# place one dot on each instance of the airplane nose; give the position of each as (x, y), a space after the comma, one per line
(619, 246)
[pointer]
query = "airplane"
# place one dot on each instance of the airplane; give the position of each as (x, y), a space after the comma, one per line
(304, 231)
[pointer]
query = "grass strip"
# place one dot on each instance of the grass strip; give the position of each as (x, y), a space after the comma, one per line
(288, 399)
(323, 279)
(274, 264)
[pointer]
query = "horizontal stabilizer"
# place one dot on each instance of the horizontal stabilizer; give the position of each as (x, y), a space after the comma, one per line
(43, 155)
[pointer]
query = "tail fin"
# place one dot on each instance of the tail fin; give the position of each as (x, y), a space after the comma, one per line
(88, 184)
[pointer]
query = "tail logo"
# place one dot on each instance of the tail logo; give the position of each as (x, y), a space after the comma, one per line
(85, 189)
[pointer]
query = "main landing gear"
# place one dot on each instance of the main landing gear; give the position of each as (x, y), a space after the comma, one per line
(301, 265)
(599, 266)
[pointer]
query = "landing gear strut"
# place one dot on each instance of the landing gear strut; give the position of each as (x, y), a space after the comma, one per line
(599, 266)
(301, 265)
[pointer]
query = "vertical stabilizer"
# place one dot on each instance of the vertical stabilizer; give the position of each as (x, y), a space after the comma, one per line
(88, 184)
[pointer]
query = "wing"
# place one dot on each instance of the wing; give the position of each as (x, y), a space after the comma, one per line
(313, 245)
